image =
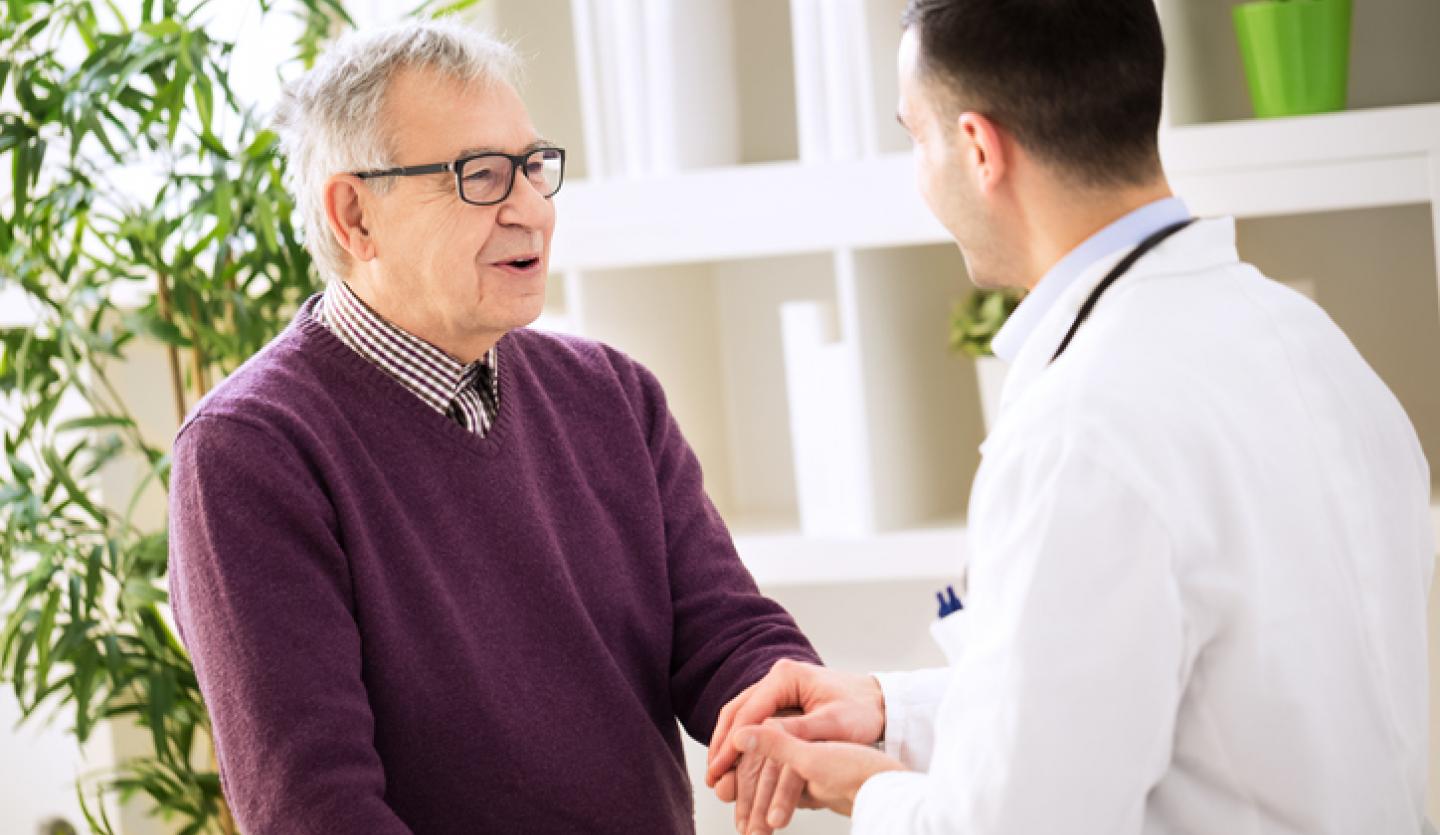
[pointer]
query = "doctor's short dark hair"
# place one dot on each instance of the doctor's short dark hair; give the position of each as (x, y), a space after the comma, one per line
(1078, 83)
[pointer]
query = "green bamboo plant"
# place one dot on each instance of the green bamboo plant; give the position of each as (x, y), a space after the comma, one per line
(216, 267)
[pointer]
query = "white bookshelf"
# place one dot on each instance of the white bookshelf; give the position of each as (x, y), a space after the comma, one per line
(770, 259)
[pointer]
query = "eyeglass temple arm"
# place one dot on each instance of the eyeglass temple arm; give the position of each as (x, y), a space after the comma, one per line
(433, 168)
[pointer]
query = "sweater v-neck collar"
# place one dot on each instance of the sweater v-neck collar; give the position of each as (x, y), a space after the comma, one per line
(313, 334)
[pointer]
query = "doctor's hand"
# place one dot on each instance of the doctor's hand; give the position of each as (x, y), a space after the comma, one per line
(838, 706)
(832, 772)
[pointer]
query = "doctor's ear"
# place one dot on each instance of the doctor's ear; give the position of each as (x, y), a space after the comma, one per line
(982, 144)
(347, 208)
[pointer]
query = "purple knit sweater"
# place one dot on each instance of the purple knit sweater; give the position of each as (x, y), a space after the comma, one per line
(399, 626)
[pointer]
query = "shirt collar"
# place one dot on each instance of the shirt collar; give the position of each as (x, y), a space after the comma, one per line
(1126, 232)
(428, 372)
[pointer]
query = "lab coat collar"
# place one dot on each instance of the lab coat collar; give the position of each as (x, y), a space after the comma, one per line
(1123, 234)
(1205, 245)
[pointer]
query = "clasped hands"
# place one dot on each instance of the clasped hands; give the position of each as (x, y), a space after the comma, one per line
(802, 737)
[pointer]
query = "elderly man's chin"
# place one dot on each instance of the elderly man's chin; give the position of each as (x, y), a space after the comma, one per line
(513, 301)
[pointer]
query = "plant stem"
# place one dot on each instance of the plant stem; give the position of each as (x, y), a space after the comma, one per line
(172, 355)
(197, 353)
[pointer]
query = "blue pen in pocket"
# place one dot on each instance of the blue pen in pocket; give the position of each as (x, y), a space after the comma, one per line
(949, 602)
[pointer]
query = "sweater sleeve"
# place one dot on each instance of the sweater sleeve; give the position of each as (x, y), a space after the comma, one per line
(260, 588)
(726, 634)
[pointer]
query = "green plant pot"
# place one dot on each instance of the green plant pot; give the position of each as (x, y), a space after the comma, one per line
(1297, 54)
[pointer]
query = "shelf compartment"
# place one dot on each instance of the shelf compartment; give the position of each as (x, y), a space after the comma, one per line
(711, 334)
(542, 33)
(845, 107)
(665, 90)
(1392, 58)
(884, 420)
(922, 403)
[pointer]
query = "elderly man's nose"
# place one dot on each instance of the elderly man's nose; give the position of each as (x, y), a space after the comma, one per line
(525, 205)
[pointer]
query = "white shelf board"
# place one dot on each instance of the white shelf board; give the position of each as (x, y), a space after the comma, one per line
(789, 558)
(746, 211)
(1358, 159)
(1350, 160)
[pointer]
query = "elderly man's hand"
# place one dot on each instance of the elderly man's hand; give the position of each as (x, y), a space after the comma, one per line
(766, 794)
(832, 772)
(835, 706)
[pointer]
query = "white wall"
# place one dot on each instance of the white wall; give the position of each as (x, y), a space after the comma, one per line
(38, 769)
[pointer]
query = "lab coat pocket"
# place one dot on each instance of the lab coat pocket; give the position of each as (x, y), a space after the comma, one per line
(949, 633)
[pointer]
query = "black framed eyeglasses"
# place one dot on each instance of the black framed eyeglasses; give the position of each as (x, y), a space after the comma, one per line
(488, 178)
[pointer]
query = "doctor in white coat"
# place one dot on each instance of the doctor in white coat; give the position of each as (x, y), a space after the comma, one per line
(1200, 540)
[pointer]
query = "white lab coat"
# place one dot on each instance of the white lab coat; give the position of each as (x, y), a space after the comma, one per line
(1200, 549)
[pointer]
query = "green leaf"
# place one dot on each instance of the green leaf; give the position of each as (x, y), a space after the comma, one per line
(204, 101)
(20, 469)
(10, 492)
(20, 179)
(85, 25)
(434, 9)
(161, 695)
(60, 472)
(13, 625)
(161, 29)
(119, 16)
(261, 145)
(224, 216)
(140, 592)
(21, 665)
(77, 598)
(83, 684)
(166, 332)
(94, 422)
(42, 638)
(114, 656)
(93, 578)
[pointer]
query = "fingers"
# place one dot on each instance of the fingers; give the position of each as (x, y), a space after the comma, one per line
(788, 791)
(723, 724)
(764, 794)
(770, 741)
(726, 788)
(747, 776)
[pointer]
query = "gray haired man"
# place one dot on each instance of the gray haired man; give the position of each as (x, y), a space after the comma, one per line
(438, 572)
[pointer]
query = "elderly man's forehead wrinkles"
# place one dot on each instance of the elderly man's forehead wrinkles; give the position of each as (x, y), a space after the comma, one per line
(534, 145)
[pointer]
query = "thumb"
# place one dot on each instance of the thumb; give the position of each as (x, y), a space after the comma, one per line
(770, 742)
(814, 727)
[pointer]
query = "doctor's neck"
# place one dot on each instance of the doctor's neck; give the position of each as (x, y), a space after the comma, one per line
(1058, 216)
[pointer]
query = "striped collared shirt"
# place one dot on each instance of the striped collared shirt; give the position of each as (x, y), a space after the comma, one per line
(467, 393)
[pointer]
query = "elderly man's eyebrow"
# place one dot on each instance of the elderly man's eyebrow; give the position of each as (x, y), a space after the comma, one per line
(533, 146)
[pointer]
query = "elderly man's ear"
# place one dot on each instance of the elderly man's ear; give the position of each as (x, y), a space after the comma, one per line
(347, 207)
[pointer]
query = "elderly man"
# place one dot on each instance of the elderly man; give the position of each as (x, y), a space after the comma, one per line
(440, 573)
